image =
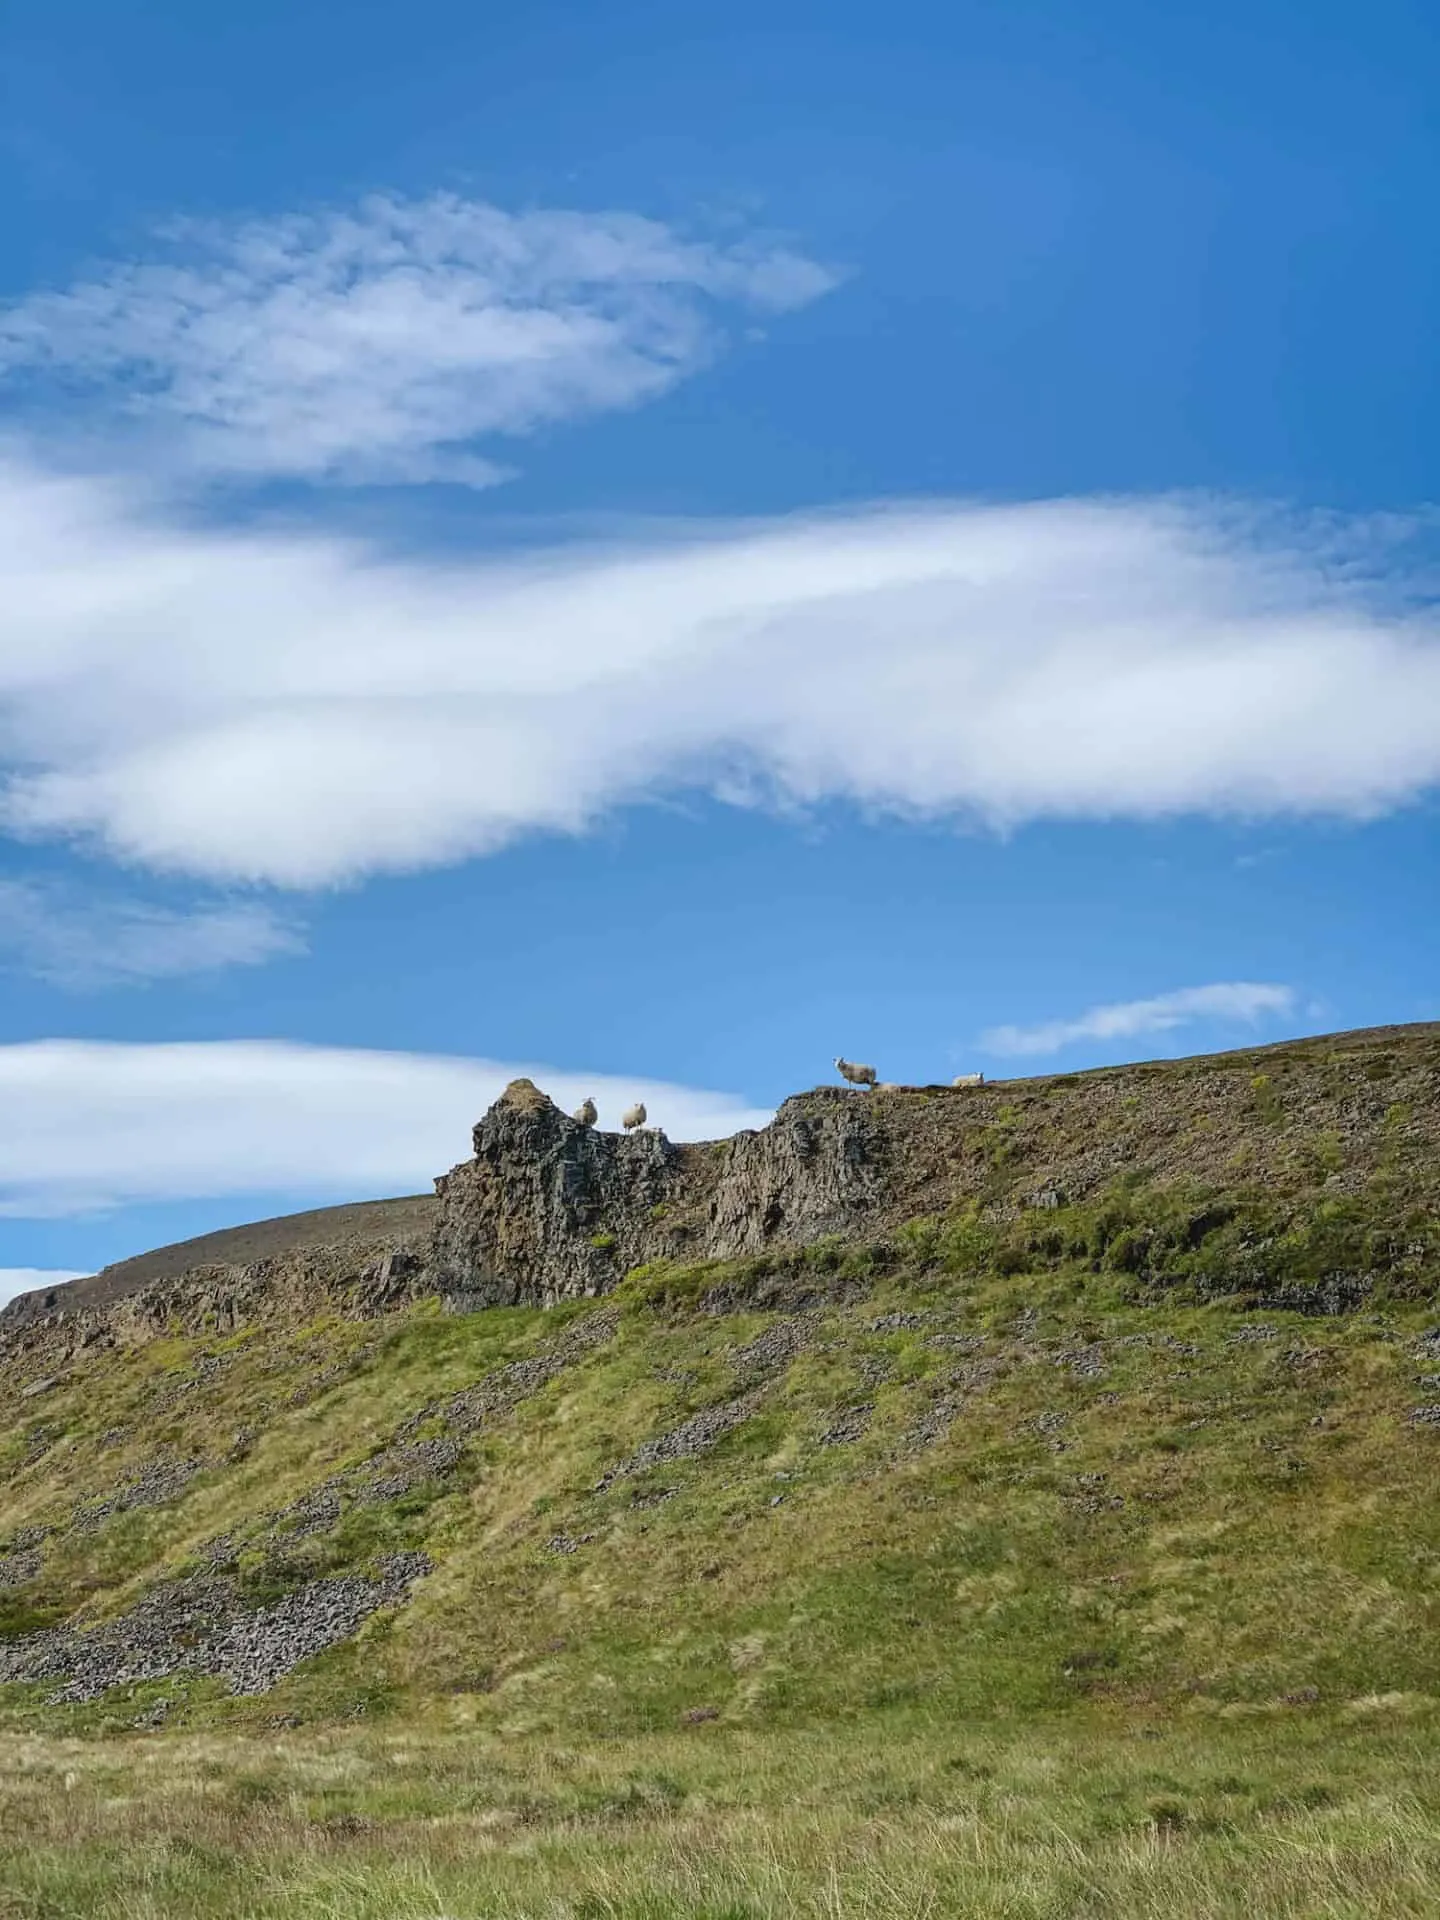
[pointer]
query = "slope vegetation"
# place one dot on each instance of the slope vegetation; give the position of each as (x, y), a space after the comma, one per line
(1151, 1449)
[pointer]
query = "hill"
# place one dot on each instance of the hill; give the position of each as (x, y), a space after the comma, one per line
(391, 1222)
(868, 1485)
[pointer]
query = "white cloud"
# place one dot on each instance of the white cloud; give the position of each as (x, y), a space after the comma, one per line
(1245, 1002)
(93, 1124)
(73, 940)
(17, 1280)
(378, 343)
(304, 709)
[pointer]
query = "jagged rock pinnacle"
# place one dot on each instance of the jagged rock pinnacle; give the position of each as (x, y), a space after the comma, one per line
(525, 1095)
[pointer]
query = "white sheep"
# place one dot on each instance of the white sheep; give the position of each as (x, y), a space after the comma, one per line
(633, 1117)
(587, 1113)
(857, 1075)
(968, 1080)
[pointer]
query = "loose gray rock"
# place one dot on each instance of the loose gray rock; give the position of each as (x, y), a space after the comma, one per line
(519, 1380)
(18, 1569)
(153, 1485)
(774, 1347)
(202, 1626)
(852, 1425)
(698, 1434)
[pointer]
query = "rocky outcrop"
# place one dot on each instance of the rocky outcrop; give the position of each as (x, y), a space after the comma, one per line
(825, 1165)
(42, 1332)
(549, 1209)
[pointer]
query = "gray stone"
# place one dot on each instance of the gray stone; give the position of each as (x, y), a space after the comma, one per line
(550, 1210)
(698, 1434)
(202, 1626)
(850, 1426)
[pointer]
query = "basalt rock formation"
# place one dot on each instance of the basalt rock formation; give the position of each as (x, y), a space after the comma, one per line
(548, 1209)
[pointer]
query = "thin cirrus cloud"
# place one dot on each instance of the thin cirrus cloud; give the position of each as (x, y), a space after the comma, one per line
(1226, 1002)
(380, 342)
(305, 710)
(91, 1125)
(74, 939)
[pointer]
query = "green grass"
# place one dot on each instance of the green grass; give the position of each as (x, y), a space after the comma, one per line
(1117, 1594)
(1131, 1499)
(1306, 1814)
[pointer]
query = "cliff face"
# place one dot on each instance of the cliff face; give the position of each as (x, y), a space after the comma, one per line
(357, 1280)
(548, 1210)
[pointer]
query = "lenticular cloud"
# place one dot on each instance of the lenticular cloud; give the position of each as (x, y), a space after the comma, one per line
(87, 1125)
(304, 710)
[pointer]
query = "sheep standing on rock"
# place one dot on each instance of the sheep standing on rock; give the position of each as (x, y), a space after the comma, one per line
(586, 1113)
(968, 1080)
(857, 1075)
(634, 1117)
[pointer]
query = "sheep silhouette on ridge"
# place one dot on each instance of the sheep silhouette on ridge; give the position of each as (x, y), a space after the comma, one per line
(857, 1075)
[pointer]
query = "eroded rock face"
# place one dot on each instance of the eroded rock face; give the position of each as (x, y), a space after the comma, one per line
(550, 1210)
(360, 1281)
(819, 1168)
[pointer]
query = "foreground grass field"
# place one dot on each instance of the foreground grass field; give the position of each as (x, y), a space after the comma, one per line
(1302, 1812)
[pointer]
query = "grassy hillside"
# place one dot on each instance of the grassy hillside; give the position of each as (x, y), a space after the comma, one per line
(1058, 1560)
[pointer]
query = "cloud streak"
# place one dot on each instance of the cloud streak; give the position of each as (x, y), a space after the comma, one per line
(88, 1125)
(305, 710)
(1242, 1002)
(73, 940)
(379, 343)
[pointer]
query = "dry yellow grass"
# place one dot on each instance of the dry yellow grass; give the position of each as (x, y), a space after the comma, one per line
(1315, 1818)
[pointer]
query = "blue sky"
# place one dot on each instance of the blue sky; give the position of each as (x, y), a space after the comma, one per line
(656, 548)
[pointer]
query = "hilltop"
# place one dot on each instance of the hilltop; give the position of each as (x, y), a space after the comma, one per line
(547, 1209)
(1075, 1403)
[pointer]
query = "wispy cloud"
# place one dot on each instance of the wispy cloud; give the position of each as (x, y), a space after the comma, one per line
(1242, 1002)
(78, 940)
(86, 1125)
(306, 710)
(17, 1280)
(381, 342)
